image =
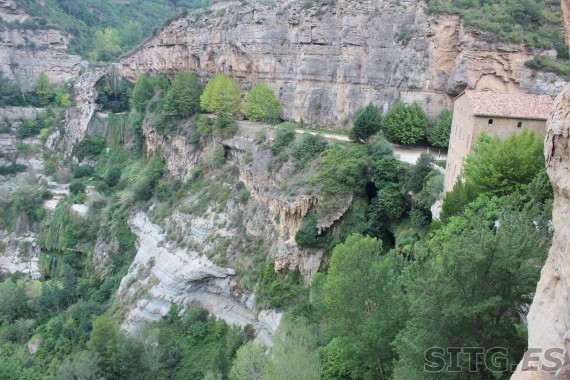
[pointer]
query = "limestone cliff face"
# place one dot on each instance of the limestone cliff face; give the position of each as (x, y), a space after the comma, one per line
(25, 53)
(163, 274)
(549, 314)
(78, 117)
(271, 213)
(326, 61)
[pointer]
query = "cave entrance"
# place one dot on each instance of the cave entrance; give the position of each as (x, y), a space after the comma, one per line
(370, 190)
(388, 240)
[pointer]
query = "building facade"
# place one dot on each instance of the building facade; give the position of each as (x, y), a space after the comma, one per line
(497, 114)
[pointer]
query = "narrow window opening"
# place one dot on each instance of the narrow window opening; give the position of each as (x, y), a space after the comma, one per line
(490, 122)
(519, 124)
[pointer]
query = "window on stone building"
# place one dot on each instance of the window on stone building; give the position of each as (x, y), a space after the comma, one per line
(490, 122)
(519, 124)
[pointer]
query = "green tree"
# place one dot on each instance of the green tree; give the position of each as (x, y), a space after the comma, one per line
(363, 309)
(379, 148)
(184, 94)
(130, 34)
(294, 353)
(368, 122)
(12, 302)
(103, 340)
(502, 167)
(221, 96)
(249, 363)
(448, 305)
(261, 104)
(44, 91)
(61, 98)
(405, 124)
(106, 45)
(142, 92)
(82, 366)
(389, 202)
(419, 172)
(439, 134)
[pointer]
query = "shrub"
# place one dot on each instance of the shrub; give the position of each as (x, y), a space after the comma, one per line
(405, 124)
(308, 147)
(76, 186)
(221, 96)
(386, 170)
(379, 148)
(90, 147)
(279, 289)
(12, 169)
(215, 158)
(143, 189)
(260, 136)
(389, 202)
(44, 92)
(419, 172)
(284, 135)
(367, 123)
(113, 176)
(307, 235)
(29, 128)
(545, 63)
(261, 104)
(80, 171)
(226, 126)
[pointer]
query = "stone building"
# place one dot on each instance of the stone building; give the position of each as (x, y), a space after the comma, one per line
(497, 114)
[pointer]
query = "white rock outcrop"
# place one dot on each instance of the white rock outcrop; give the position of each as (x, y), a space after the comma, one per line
(162, 274)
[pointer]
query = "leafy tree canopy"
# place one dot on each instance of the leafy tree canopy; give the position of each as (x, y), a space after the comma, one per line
(439, 134)
(184, 94)
(261, 104)
(368, 122)
(221, 96)
(405, 124)
(501, 167)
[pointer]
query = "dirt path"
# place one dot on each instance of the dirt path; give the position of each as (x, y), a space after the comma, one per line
(402, 153)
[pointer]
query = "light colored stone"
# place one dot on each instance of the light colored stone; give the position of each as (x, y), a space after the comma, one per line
(77, 118)
(326, 62)
(162, 274)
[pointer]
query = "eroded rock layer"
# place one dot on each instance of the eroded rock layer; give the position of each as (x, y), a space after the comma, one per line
(326, 61)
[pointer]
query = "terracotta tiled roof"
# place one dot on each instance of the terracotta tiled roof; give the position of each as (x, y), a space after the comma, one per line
(518, 106)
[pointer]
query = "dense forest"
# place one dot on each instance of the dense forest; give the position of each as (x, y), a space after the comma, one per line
(397, 283)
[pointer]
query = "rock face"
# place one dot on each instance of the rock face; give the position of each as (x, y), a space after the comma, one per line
(162, 274)
(549, 314)
(19, 254)
(9, 11)
(26, 53)
(77, 118)
(326, 61)
(272, 215)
